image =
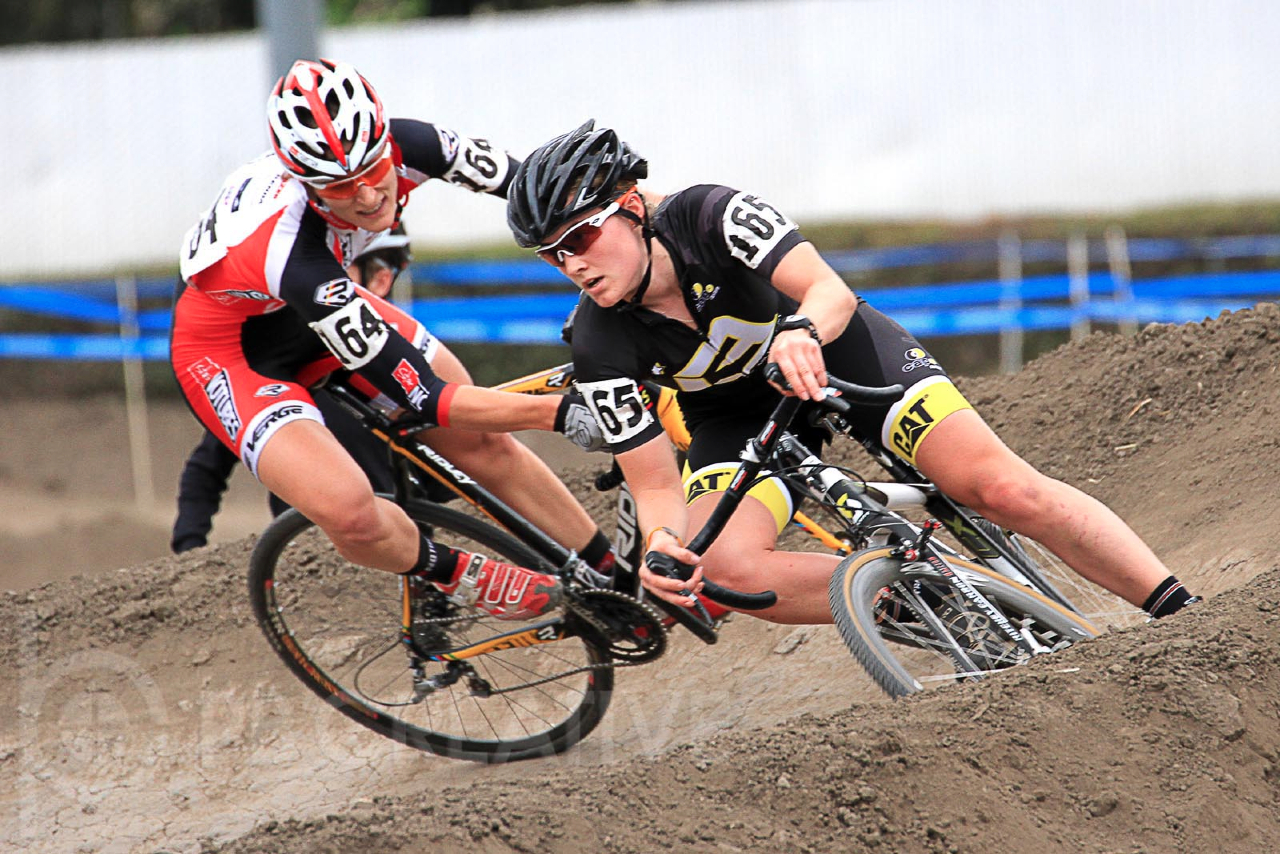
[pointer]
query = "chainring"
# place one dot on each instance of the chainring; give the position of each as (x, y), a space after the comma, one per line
(632, 630)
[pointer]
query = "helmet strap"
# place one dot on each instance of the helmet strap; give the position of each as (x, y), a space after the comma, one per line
(646, 231)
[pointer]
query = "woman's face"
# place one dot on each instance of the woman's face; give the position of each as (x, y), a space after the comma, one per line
(371, 206)
(601, 253)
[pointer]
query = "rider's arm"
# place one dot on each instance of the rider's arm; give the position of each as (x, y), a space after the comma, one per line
(824, 297)
(429, 151)
(654, 480)
(828, 303)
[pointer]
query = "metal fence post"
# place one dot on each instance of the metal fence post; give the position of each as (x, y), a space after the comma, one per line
(1122, 276)
(135, 396)
(1009, 266)
(1078, 277)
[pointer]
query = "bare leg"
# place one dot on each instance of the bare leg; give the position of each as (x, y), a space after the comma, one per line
(744, 558)
(307, 467)
(967, 461)
(505, 467)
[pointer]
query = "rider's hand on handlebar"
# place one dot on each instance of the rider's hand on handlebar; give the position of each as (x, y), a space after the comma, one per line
(800, 358)
(670, 589)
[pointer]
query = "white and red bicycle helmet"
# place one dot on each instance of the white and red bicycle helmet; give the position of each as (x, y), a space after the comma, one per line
(326, 121)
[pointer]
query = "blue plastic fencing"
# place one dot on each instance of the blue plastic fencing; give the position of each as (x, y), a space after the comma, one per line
(954, 308)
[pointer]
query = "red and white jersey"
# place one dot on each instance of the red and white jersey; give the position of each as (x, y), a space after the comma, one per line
(264, 246)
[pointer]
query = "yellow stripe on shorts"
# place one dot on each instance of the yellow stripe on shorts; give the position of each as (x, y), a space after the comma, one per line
(772, 493)
(921, 409)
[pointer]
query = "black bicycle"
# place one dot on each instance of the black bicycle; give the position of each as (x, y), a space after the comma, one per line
(403, 659)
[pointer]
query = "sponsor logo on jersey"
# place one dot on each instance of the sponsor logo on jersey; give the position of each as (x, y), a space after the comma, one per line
(204, 370)
(407, 376)
(271, 390)
(230, 296)
(223, 401)
(448, 142)
(732, 349)
(335, 292)
(917, 358)
(703, 294)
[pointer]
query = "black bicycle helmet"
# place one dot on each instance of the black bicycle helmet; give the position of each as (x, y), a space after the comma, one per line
(574, 172)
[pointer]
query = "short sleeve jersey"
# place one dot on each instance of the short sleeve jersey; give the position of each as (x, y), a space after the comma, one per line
(725, 245)
(264, 246)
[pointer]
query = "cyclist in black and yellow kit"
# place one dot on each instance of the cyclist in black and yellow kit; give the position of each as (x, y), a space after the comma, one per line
(697, 291)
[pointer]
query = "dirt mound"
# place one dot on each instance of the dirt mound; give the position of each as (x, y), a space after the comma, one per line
(147, 713)
(1156, 739)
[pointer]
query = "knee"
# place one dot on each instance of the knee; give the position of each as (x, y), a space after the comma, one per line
(347, 514)
(735, 566)
(1006, 497)
(486, 451)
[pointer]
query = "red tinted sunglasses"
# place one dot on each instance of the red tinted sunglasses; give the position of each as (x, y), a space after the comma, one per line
(580, 236)
(348, 187)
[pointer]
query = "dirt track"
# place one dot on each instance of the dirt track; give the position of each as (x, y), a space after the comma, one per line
(145, 712)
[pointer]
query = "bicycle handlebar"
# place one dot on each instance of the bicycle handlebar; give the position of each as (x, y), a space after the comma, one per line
(850, 393)
(672, 568)
(757, 451)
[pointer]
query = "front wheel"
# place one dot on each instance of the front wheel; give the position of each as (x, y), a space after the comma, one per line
(911, 629)
(339, 629)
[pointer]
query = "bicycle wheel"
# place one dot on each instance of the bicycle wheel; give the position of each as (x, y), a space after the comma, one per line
(910, 629)
(1061, 584)
(338, 627)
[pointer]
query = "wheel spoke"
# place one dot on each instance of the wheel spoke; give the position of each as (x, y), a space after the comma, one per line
(339, 625)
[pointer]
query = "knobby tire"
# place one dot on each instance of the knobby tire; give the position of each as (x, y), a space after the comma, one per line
(337, 627)
(903, 654)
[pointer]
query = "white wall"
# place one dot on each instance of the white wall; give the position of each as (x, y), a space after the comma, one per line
(859, 108)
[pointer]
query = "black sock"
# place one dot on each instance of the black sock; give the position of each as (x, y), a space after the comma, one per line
(599, 553)
(1168, 598)
(435, 562)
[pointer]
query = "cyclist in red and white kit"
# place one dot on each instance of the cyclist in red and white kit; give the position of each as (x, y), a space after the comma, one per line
(267, 309)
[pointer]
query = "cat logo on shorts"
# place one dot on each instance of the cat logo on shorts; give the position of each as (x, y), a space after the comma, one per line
(708, 481)
(920, 410)
(910, 429)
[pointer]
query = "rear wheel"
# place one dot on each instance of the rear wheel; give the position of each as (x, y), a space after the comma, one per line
(338, 627)
(910, 629)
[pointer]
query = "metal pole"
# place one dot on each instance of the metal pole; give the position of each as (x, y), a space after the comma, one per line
(1122, 276)
(1009, 265)
(135, 396)
(1078, 278)
(292, 28)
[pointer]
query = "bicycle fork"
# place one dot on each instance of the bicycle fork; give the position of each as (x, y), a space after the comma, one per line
(923, 551)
